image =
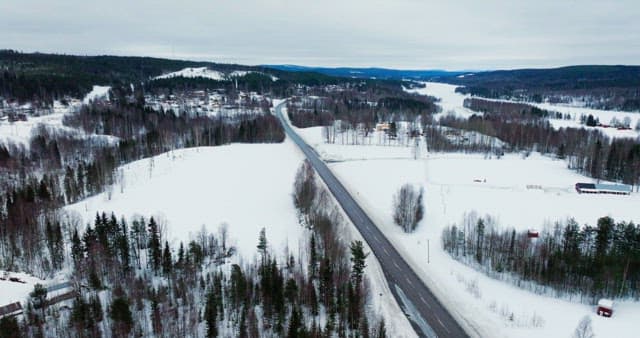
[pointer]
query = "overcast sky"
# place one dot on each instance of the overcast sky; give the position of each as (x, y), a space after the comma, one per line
(410, 34)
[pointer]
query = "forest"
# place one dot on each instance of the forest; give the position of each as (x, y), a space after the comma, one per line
(40, 78)
(566, 260)
(600, 87)
(131, 282)
(59, 168)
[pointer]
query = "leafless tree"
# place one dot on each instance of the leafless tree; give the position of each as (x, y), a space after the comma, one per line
(584, 329)
(408, 209)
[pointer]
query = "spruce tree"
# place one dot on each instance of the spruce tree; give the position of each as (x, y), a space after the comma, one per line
(166, 259)
(154, 245)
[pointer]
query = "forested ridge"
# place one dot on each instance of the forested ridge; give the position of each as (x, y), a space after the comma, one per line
(41, 78)
(602, 87)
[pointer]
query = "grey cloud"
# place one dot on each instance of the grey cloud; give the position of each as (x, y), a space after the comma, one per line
(465, 34)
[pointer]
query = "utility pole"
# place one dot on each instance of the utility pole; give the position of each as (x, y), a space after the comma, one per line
(428, 253)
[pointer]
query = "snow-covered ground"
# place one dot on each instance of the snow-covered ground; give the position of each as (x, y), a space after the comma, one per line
(452, 102)
(203, 72)
(19, 132)
(97, 93)
(498, 308)
(246, 186)
(207, 73)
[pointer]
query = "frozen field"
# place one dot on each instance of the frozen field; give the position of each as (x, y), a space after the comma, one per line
(497, 309)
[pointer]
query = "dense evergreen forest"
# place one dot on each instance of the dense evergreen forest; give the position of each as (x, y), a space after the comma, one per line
(602, 87)
(585, 262)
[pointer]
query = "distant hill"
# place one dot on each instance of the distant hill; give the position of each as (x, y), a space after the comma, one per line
(572, 77)
(602, 87)
(368, 73)
(42, 77)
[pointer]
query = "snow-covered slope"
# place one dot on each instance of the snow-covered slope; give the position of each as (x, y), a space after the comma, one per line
(194, 72)
(207, 73)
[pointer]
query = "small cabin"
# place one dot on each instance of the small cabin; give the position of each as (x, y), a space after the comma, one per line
(533, 233)
(605, 307)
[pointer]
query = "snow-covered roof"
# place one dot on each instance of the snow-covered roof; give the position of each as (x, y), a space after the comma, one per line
(605, 303)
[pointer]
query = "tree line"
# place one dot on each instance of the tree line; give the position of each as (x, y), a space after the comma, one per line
(588, 262)
(587, 151)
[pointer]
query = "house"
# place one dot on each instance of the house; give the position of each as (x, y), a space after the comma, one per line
(382, 126)
(533, 233)
(605, 307)
(593, 188)
(12, 309)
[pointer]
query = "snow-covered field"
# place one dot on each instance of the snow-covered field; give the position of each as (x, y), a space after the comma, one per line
(246, 186)
(451, 102)
(498, 309)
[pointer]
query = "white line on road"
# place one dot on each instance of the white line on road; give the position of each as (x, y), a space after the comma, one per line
(441, 324)
(385, 251)
(409, 281)
(425, 302)
(394, 263)
(376, 238)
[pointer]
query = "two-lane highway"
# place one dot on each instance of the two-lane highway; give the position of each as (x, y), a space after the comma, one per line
(427, 315)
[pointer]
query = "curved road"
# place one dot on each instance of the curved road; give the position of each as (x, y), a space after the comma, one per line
(427, 315)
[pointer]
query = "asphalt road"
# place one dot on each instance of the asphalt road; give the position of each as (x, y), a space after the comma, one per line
(427, 315)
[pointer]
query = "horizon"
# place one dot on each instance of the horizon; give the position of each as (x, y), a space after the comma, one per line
(311, 67)
(404, 34)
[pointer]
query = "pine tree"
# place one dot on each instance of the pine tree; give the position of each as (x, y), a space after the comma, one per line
(358, 264)
(313, 258)
(121, 316)
(123, 247)
(154, 245)
(262, 245)
(9, 328)
(296, 329)
(166, 259)
(210, 314)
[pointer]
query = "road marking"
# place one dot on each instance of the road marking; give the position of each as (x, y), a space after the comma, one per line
(394, 263)
(441, 324)
(425, 302)
(376, 238)
(409, 281)
(385, 251)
